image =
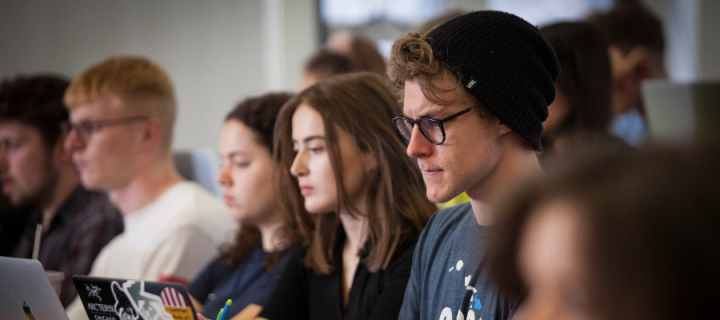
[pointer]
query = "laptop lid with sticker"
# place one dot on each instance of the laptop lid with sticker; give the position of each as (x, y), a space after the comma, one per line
(107, 298)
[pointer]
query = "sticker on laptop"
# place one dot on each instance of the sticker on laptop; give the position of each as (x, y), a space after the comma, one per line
(107, 299)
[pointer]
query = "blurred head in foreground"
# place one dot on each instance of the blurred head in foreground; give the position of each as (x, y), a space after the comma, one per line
(623, 235)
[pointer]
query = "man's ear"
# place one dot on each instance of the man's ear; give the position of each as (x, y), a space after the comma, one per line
(643, 67)
(152, 133)
(503, 129)
(628, 71)
(634, 64)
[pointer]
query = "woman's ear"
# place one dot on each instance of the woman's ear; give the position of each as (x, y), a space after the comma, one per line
(369, 161)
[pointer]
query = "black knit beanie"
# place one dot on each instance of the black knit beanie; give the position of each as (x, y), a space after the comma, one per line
(505, 62)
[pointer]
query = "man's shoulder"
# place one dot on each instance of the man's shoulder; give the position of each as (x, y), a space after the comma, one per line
(449, 218)
(185, 203)
(190, 196)
(190, 206)
(90, 209)
(446, 226)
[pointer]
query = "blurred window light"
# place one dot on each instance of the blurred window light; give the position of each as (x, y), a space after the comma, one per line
(543, 12)
(351, 13)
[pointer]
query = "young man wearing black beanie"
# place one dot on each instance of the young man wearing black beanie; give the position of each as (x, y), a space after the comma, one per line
(475, 92)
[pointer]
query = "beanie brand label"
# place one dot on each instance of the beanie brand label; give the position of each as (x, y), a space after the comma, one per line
(470, 84)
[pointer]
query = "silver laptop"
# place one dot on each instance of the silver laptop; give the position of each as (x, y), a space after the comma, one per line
(26, 292)
(682, 112)
(106, 298)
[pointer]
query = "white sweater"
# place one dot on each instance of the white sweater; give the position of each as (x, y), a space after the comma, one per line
(170, 239)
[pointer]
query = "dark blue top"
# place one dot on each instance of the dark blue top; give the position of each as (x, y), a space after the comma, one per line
(248, 283)
(449, 275)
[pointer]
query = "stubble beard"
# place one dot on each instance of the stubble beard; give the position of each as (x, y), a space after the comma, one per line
(41, 195)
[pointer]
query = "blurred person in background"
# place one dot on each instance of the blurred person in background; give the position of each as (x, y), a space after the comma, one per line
(38, 175)
(247, 269)
(344, 52)
(122, 114)
(637, 53)
(582, 91)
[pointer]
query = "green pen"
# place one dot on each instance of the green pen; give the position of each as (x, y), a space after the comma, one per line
(224, 310)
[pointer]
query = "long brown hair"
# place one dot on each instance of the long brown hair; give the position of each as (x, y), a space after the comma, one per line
(259, 114)
(584, 77)
(362, 105)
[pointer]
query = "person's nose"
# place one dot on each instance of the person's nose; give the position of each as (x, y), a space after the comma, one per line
(299, 166)
(419, 146)
(223, 176)
(73, 142)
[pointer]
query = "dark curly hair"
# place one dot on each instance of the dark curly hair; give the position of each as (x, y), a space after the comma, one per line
(36, 101)
(412, 58)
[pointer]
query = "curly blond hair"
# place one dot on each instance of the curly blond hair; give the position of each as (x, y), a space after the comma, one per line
(412, 58)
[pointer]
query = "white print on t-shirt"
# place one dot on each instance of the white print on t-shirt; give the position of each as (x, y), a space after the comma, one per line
(458, 265)
(475, 304)
(447, 315)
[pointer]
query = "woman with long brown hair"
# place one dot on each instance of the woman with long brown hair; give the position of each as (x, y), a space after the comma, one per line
(248, 269)
(583, 88)
(358, 199)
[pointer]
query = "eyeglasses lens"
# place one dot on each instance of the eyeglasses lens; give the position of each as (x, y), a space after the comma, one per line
(432, 130)
(405, 128)
(81, 132)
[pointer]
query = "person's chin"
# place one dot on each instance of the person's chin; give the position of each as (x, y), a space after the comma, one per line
(18, 200)
(91, 184)
(440, 195)
(313, 207)
(236, 215)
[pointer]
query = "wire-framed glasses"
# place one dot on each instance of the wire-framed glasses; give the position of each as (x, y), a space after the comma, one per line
(85, 129)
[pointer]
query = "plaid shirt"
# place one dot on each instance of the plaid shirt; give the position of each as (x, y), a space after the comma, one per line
(80, 229)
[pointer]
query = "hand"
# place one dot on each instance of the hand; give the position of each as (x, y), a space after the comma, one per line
(200, 317)
(250, 312)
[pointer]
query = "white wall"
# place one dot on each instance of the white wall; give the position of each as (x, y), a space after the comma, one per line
(470, 4)
(216, 52)
(213, 51)
(692, 36)
(709, 40)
